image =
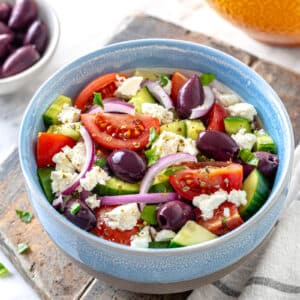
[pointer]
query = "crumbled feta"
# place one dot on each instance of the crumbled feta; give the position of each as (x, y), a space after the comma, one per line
(141, 239)
(169, 143)
(60, 180)
(123, 217)
(226, 212)
(164, 235)
(92, 201)
(238, 197)
(244, 140)
(76, 155)
(260, 132)
(69, 114)
(129, 87)
(93, 177)
(242, 109)
(157, 111)
(228, 99)
(119, 80)
(208, 203)
(63, 163)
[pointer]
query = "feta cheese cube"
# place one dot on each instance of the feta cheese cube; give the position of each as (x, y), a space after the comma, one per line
(93, 177)
(141, 239)
(92, 202)
(63, 163)
(76, 155)
(123, 217)
(243, 109)
(188, 145)
(238, 197)
(60, 180)
(244, 140)
(164, 235)
(226, 99)
(69, 114)
(157, 111)
(129, 87)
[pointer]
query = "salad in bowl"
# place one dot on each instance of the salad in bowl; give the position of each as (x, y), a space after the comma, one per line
(155, 158)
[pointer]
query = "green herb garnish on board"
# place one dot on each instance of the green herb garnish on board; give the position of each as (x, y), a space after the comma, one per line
(98, 100)
(151, 156)
(207, 78)
(22, 247)
(25, 216)
(152, 136)
(3, 270)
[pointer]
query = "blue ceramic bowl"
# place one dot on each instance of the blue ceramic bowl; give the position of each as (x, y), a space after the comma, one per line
(162, 267)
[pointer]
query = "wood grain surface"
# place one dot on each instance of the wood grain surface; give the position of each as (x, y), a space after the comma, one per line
(46, 269)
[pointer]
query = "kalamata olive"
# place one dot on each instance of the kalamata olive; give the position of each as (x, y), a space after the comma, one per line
(5, 40)
(268, 163)
(37, 34)
(217, 145)
(5, 10)
(18, 39)
(23, 13)
(190, 96)
(84, 218)
(127, 165)
(20, 60)
(4, 29)
(174, 214)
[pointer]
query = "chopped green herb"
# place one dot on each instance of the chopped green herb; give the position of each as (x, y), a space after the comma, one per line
(25, 216)
(172, 170)
(22, 247)
(207, 170)
(151, 156)
(224, 222)
(152, 136)
(163, 80)
(101, 162)
(98, 100)
(75, 208)
(207, 78)
(3, 270)
(248, 157)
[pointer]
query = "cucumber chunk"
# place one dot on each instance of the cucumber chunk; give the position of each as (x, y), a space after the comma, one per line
(193, 128)
(50, 115)
(115, 186)
(190, 234)
(69, 129)
(264, 143)
(149, 214)
(234, 123)
(44, 175)
(142, 96)
(256, 187)
(177, 127)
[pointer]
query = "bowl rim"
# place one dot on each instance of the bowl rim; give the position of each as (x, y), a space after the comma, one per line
(169, 43)
(52, 44)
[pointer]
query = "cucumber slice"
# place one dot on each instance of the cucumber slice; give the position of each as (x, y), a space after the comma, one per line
(44, 175)
(190, 234)
(50, 115)
(149, 214)
(264, 143)
(256, 187)
(193, 127)
(177, 127)
(115, 186)
(234, 123)
(69, 129)
(162, 244)
(142, 96)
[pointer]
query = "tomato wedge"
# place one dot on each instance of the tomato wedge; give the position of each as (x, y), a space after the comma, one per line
(104, 84)
(49, 144)
(120, 131)
(107, 233)
(219, 224)
(216, 118)
(178, 80)
(207, 179)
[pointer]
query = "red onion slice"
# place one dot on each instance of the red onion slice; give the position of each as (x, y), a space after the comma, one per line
(159, 93)
(160, 165)
(205, 107)
(89, 161)
(58, 203)
(139, 198)
(114, 105)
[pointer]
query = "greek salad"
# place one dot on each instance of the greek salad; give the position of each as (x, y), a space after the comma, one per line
(155, 160)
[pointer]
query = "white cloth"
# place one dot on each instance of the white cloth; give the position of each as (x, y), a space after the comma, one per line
(274, 271)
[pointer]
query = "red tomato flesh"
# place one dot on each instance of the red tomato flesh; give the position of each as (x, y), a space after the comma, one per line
(107, 233)
(219, 224)
(216, 118)
(208, 179)
(178, 80)
(49, 144)
(120, 131)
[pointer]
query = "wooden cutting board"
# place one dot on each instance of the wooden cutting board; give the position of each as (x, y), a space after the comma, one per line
(44, 267)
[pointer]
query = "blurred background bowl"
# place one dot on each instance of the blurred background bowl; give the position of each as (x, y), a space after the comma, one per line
(270, 21)
(48, 15)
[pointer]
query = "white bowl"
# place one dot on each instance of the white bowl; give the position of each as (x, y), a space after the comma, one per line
(48, 15)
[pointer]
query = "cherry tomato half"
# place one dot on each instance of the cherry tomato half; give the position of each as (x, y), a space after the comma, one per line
(216, 118)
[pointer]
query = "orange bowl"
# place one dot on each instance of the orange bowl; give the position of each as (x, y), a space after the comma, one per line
(271, 21)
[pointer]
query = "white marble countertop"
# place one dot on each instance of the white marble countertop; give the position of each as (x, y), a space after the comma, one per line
(88, 25)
